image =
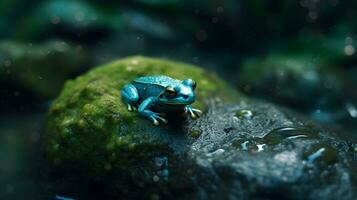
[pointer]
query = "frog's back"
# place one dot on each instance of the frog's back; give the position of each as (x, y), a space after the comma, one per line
(152, 86)
(161, 81)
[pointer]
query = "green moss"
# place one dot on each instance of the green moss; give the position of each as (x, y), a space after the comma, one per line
(88, 120)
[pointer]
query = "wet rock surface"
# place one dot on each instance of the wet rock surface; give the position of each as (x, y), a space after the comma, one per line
(246, 149)
(273, 154)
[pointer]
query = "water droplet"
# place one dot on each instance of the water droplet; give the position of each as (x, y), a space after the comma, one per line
(260, 147)
(349, 50)
(297, 136)
(352, 110)
(321, 152)
(244, 145)
(195, 133)
(161, 161)
(311, 158)
(248, 145)
(217, 152)
(245, 114)
(277, 136)
(155, 178)
(161, 164)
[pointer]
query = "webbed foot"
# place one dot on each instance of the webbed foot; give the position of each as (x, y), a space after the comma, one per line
(157, 118)
(131, 107)
(193, 112)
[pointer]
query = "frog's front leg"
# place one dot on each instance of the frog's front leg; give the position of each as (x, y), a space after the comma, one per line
(144, 111)
(130, 96)
(193, 112)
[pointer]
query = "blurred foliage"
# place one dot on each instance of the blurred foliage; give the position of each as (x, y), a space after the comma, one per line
(41, 69)
(242, 25)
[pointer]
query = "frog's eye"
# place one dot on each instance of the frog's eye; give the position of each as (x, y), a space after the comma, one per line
(194, 84)
(170, 92)
(190, 82)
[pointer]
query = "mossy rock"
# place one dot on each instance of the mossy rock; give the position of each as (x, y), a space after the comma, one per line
(89, 122)
(248, 149)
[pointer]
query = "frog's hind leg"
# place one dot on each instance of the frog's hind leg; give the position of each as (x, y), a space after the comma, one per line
(130, 96)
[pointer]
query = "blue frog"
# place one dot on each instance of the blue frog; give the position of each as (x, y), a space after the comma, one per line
(153, 96)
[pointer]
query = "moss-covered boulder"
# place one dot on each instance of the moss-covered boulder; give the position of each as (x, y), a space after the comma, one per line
(89, 122)
(247, 149)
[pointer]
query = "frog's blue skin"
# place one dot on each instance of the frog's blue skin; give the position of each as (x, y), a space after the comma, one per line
(162, 94)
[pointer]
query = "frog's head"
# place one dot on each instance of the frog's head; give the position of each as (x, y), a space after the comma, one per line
(180, 94)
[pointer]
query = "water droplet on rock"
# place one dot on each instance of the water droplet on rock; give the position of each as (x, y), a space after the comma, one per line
(321, 152)
(217, 152)
(248, 145)
(277, 136)
(161, 164)
(244, 145)
(195, 133)
(260, 147)
(352, 110)
(245, 114)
